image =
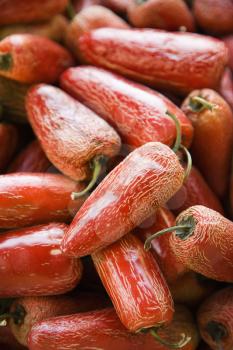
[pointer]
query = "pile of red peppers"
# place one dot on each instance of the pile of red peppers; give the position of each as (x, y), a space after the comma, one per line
(116, 182)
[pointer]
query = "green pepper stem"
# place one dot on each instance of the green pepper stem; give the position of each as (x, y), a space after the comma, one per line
(198, 104)
(6, 61)
(189, 162)
(97, 164)
(70, 10)
(184, 340)
(148, 241)
(178, 131)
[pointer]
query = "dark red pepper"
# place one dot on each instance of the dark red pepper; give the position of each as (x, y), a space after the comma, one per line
(136, 112)
(9, 138)
(226, 87)
(32, 263)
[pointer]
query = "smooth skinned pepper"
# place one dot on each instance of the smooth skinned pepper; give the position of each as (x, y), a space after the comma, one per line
(31, 159)
(73, 137)
(31, 59)
(36, 198)
(201, 240)
(215, 319)
(212, 119)
(195, 191)
(33, 264)
(129, 194)
(135, 284)
(136, 112)
(161, 249)
(179, 62)
(9, 138)
(102, 329)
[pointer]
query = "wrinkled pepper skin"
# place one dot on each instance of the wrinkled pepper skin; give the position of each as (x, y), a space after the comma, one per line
(129, 194)
(195, 191)
(135, 284)
(226, 87)
(32, 59)
(31, 159)
(167, 260)
(70, 133)
(36, 198)
(8, 144)
(178, 62)
(206, 248)
(207, 11)
(136, 112)
(41, 268)
(213, 138)
(168, 15)
(36, 309)
(217, 308)
(25, 11)
(103, 330)
(90, 18)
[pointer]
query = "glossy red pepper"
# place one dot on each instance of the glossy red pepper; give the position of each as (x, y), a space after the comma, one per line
(159, 14)
(215, 319)
(201, 241)
(27, 311)
(73, 137)
(103, 330)
(135, 284)
(8, 144)
(25, 11)
(129, 194)
(226, 87)
(211, 149)
(136, 112)
(90, 18)
(179, 62)
(195, 191)
(31, 159)
(35, 198)
(31, 59)
(32, 263)
(167, 260)
(207, 11)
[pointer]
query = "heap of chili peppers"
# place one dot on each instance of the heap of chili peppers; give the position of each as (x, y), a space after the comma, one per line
(116, 182)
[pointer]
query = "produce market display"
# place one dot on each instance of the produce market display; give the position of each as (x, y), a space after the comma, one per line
(116, 174)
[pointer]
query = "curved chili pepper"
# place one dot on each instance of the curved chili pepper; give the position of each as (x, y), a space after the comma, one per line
(178, 62)
(135, 284)
(90, 18)
(31, 59)
(32, 263)
(73, 137)
(195, 191)
(8, 144)
(206, 12)
(212, 120)
(128, 195)
(215, 319)
(167, 260)
(167, 15)
(27, 311)
(201, 242)
(36, 198)
(31, 159)
(103, 330)
(25, 11)
(136, 112)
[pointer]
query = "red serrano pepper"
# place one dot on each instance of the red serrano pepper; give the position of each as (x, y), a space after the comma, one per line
(129, 194)
(179, 62)
(136, 112)
(201, 242)
(31, 59)
(73, 137)
(167, 260)
(36, 198)
(215, 319)
(32, 263)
